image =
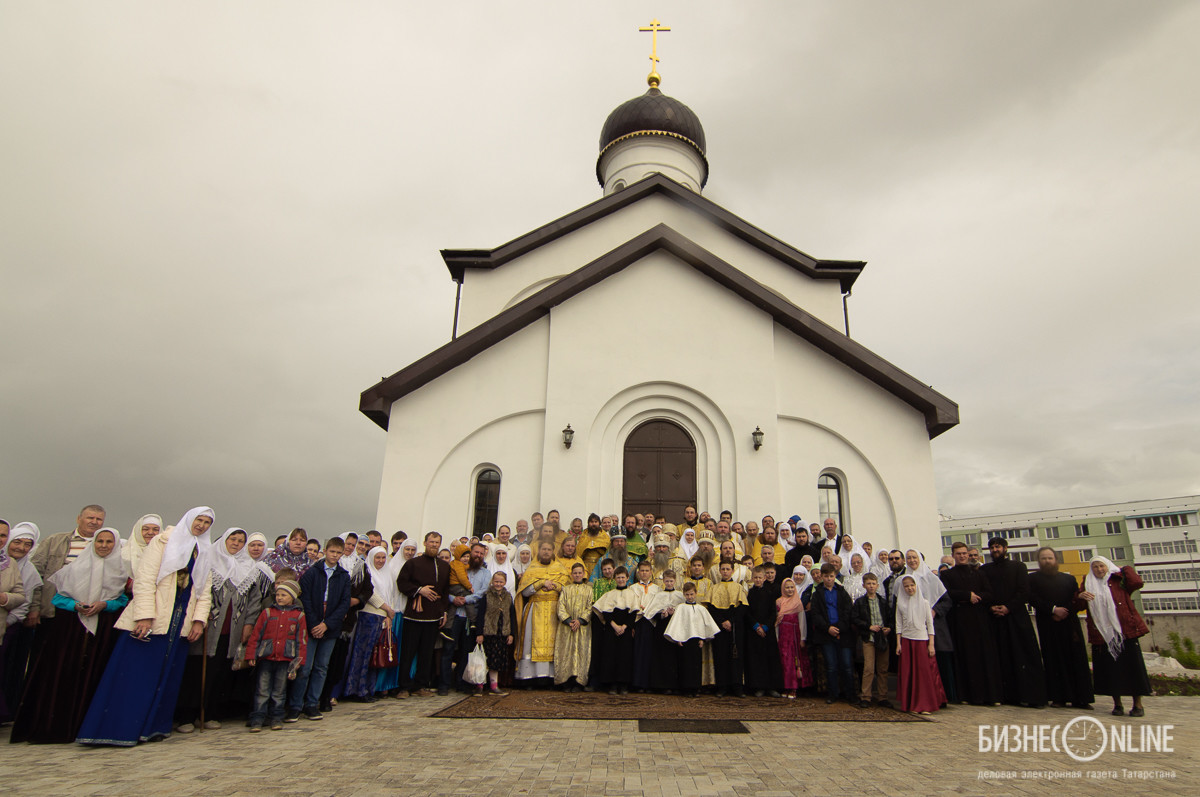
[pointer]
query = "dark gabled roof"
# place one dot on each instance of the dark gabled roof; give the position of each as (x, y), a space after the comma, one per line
(940, 412)
(845, 271)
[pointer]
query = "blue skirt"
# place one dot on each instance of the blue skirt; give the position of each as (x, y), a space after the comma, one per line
(135, 701)
(389, 677)
(360, 680)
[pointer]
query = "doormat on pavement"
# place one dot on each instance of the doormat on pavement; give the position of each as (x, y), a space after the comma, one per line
(548, 704)
(691, 726)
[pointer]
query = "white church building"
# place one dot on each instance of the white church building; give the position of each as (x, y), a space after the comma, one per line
(552, 395)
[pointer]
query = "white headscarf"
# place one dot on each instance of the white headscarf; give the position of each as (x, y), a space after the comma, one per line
(238, 569)
(928, 582)
(916, 606)
(517, 565)
(808, 579)
(92, 577)
(351, 562)
(853, 581)
(135, 546)
(1103, 608)
(507, 569)
(880, 569)
(258, 535)
(383, 579)
(783, 531)
(855, 548)
(181, 544)
(688, 549)
(30, 577)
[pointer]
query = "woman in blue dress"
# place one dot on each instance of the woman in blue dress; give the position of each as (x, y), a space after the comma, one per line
(172, 597)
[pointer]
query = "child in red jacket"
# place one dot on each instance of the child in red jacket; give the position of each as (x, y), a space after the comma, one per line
(278, 643)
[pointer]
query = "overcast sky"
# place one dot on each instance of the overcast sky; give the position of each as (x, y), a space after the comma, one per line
(220, 222)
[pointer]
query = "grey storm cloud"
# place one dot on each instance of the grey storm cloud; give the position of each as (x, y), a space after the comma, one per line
(221, 221)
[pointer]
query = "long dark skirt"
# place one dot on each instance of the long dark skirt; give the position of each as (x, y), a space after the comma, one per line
(360, 678)
(136, 697)
(214, 680)
(1125, 676)
(14, 665)
(946, 665)
(499, 653)
(64, 678)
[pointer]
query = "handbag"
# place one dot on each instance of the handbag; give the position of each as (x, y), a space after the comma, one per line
(385, 655)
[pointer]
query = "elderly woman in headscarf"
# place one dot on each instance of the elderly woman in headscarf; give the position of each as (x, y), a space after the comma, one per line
(12, 593)
(853, 581)
(237, 600)
(147, 528)
(1114, 627)
(172, 598)
(79, 640)
(387, 681)
(17, 640)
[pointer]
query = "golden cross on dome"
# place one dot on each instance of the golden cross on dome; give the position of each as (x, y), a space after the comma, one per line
(655, 26)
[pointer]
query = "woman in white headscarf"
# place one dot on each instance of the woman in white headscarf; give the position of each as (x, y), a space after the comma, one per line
(172, 598)
(856, 569)
(147, 528)
(802, 576)
(688, 545)
(237, 600)
(351, 562)
(1114, 627)
(17, 640)
(919, 686)
(500, 564)
(376, 614)
(78, 642)
(524, 557)
(847, 551)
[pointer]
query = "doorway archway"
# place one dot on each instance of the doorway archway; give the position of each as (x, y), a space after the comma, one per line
(659, 470)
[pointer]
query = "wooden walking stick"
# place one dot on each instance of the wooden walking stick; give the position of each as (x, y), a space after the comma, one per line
(203, 674)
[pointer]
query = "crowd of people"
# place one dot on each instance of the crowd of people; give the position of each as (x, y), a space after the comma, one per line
(115, 640)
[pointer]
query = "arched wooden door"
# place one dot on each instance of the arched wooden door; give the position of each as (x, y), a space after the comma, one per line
(660, 470)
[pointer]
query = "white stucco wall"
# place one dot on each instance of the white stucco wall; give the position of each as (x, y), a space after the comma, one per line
(719, 369)
(487, 292)
(489, 410)
(637, 158)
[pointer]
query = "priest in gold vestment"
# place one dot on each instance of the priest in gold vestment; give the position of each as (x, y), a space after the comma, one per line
(537, 608)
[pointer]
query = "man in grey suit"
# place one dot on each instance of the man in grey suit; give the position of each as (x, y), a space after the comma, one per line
(58, 550)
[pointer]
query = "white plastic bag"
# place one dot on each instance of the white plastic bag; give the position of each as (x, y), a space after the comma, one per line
(477, 669)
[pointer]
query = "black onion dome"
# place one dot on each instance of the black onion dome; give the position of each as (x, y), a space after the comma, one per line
(653, 113)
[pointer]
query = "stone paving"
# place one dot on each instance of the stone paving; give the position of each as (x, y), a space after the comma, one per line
(394, 748)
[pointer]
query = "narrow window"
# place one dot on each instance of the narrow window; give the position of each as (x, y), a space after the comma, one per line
(487, 502)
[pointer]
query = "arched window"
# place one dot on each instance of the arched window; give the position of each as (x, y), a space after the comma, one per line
(830, 499)
(487, 502)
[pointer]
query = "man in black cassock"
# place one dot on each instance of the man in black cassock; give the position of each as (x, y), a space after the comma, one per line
(803, 547)
(1021, 674)
(1064, 652)
(977, 668)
